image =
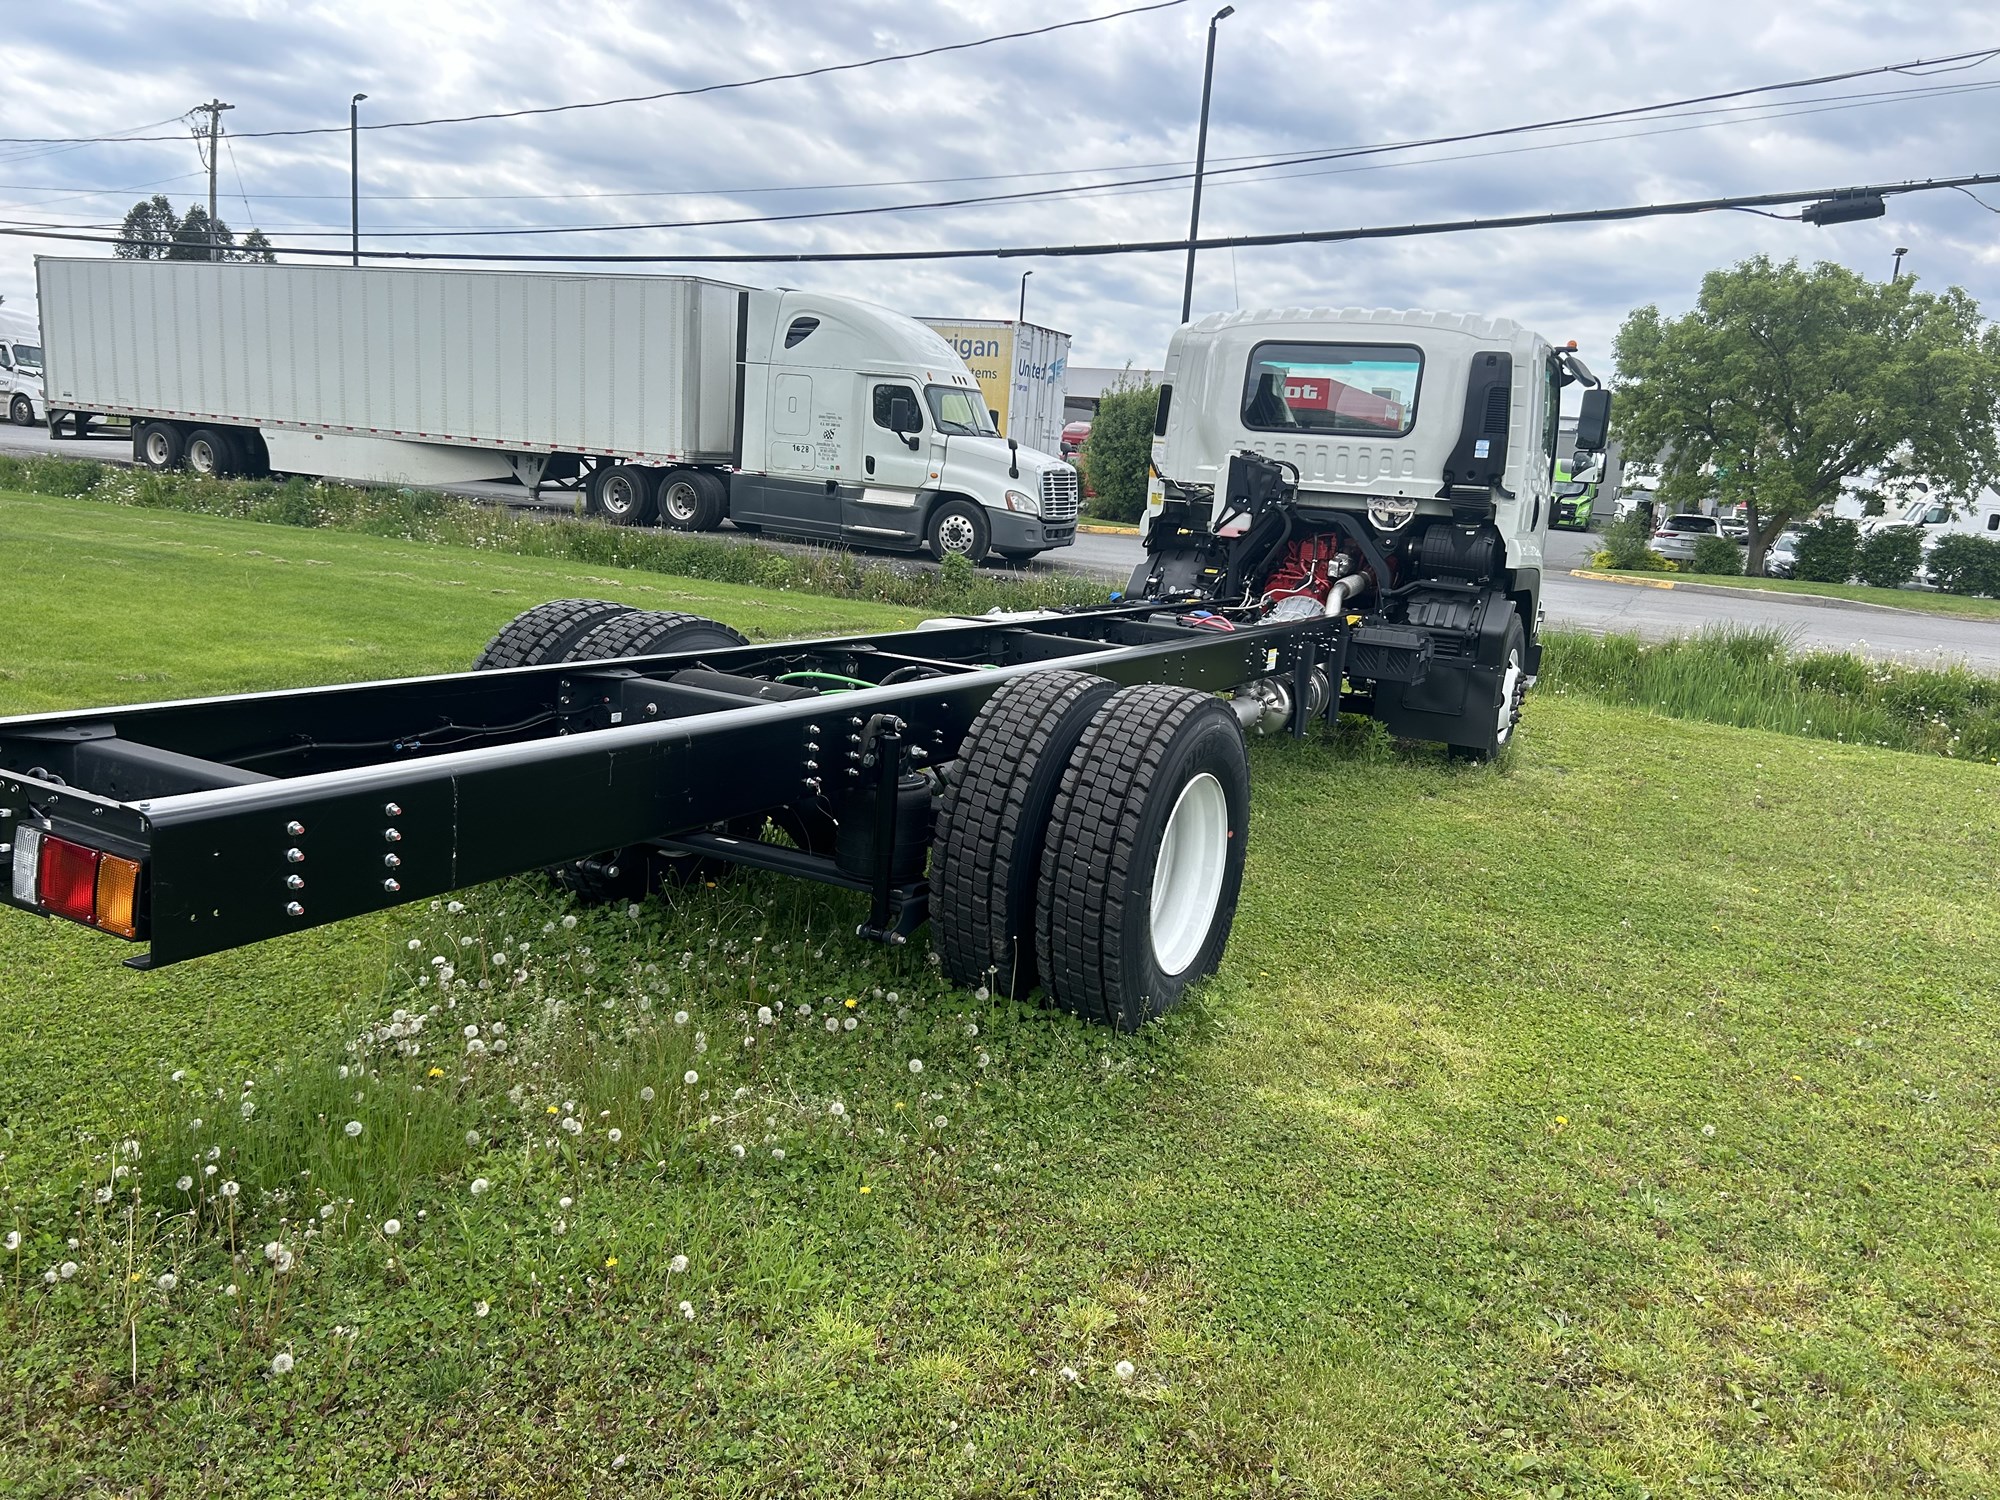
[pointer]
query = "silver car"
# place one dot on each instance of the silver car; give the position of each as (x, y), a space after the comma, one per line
(1783, 558)
(1674, 537)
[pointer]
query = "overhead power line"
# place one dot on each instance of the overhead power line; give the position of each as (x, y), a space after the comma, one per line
(706, 88)
(1127, 247)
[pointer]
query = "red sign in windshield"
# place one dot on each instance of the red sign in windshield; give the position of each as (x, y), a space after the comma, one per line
(1351, 403)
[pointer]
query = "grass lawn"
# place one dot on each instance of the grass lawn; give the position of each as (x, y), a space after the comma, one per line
(1617, 1124)
(1924, 601)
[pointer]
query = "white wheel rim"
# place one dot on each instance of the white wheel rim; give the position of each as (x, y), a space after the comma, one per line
(156, 451)
(617, 495)
(955, 534)
(201, 458)
(1187, 877)
(680, 500)
(1510, 692)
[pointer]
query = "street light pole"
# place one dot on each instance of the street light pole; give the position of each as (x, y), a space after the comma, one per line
(1200, 160)
(1896, 275)
(354, 172)
(1022, 315)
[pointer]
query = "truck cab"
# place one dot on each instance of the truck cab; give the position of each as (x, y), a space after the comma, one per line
(1418, 459)
(863, 425)
(22, 401)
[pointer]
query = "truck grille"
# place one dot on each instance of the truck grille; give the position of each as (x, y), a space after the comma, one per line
(1059, 495)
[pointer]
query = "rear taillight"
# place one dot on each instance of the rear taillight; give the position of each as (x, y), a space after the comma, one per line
(68, 880)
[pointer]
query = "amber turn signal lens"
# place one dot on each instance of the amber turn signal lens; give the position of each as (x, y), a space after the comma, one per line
(118, 896)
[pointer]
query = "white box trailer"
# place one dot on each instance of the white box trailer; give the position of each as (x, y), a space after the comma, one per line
(689, 399)
(1022, 369)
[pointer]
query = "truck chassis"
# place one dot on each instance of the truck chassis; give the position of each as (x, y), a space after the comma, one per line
(235, 819)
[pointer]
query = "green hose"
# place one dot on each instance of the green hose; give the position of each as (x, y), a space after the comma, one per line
(852, 682)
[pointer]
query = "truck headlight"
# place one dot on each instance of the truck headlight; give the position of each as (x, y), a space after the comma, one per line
(1023, 501)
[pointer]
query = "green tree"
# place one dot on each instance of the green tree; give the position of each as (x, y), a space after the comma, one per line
(1118, 454)
(152, 231)
(1784, 381)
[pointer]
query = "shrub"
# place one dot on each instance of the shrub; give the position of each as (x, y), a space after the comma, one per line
(1717, 554)
(1826, 551)
(1119, 450)
(1888, 559)
(1627, 545)
(1966, 565)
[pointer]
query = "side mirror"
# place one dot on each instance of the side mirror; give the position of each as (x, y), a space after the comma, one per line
(994, 413)
(1593, 421)
(1013, 459)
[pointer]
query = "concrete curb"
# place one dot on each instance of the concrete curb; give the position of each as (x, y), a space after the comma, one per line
(1822, 601)
(1131, 531)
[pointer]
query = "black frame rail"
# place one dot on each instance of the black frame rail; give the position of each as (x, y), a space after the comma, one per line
(260, 814)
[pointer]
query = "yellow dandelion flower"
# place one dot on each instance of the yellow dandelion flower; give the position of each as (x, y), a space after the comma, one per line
(899, 1106)
(610, 1262)
(866, 1189)
(1562, 1119)
(552, 1109)
(852, 1002)
(435, 1073)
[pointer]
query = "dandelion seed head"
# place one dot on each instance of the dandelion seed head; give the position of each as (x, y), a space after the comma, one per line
(68, 1269)
(836, 1109)
(916, 1065)
(479, 1186)
(777, 1153)
(13, 1240)
(572, 1125)
(1123, 1369)
(414, 944)
(249, 1108)
(614, 1135)
(392, 1227)
(687, 1311)
(569, 923)
(1068, 1374)
(454, 907)
(680, 1018)
(228, 1189)
(326, 1210)
(353, 1129)
(764, 1016)
(737, 1152)
(690, 1078)
(282, 1363)
(646, 1094)
(849, 1024)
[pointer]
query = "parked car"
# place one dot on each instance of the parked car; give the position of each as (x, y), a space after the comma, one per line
(1674, 537)
(1783, 557)
(1073, 434)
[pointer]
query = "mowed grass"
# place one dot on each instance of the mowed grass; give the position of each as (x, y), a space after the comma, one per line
(123, 604)
(1620, 1124)
(1924, 601)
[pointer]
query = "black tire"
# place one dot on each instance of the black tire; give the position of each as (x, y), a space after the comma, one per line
(692, 500)
(957, 528)
(211, 453)
(157, 445)
(1150, 752)
(651, 632)
(986, 858)
(21, 411)
(545, 633)
(622, 494)
(1511, 689)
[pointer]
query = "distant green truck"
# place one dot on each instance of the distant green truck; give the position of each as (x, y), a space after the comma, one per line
(1573, 513)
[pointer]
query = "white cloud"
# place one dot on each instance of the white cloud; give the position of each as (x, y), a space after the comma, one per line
(1290, 77)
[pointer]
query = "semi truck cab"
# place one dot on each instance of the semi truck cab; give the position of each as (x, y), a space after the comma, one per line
(21, 395)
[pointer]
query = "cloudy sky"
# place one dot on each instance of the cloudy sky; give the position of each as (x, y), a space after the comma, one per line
(1081, 108)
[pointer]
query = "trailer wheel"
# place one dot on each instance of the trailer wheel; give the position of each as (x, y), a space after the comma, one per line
(622, 495)
(211, 453)
(958, 529)
(652, 632)
(22, 411)
(691, 500)
(545, 633)
(157, 445)
(986, 858)
(1144, 859)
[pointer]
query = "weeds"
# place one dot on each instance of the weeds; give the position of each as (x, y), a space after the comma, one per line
(1752, 678)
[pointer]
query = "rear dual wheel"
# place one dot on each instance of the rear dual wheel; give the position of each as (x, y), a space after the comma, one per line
(693, 499)
(622, 494)
(1101, 833)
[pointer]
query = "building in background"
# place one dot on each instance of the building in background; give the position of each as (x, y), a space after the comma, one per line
(1021, 368)
(1089, 384)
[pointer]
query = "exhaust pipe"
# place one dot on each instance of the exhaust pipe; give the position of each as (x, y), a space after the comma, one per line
(1345, 590)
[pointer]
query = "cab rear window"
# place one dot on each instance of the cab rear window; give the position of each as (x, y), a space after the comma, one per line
(1359, 390)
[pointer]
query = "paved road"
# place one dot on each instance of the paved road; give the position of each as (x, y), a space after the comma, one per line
(1579, 602)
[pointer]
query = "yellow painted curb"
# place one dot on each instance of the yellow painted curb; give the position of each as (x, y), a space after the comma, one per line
(1131, 531)
(1644, 583)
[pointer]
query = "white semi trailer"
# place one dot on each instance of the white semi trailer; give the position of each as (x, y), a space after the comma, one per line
(660, 396)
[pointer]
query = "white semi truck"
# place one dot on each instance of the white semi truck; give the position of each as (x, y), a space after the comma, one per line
(21, 399)
(673, 397)
(1417, 456)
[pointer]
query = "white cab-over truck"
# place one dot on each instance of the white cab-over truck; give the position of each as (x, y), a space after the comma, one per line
(1416, 453)
(673, 397)
(21, 399)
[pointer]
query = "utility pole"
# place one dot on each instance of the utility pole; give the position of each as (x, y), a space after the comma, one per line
(1201, 159)
(213, 109)
(354, 173)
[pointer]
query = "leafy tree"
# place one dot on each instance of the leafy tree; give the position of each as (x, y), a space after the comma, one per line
(1119, 451)
(1784, 381)
(1889, 558)
(152, 231)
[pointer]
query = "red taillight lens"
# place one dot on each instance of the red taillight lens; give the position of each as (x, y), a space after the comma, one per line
(67, 883)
